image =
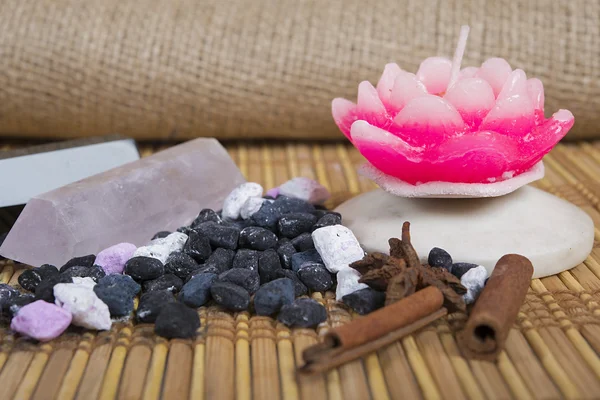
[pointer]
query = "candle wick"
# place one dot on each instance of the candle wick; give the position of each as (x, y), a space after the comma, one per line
(458, 55)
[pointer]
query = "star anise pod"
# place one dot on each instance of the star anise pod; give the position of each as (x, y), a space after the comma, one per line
(448, 284)
(379, 279)
(370, 262)
(402, 285)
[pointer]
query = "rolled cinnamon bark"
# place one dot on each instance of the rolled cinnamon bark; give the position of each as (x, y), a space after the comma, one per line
(496, 309)
(386, 319)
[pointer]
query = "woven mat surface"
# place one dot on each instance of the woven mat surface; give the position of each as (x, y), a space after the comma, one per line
(552, 352)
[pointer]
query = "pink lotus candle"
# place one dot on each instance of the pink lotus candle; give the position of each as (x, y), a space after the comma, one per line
(475, 126)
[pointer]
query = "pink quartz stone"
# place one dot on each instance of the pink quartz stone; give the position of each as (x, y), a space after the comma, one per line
(113, 259)
(40, 320)
(486, 127)
(127, 204)
(272, 192)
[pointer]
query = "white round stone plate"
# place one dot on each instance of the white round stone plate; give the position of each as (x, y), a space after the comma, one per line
(400, 188)
(554, 234)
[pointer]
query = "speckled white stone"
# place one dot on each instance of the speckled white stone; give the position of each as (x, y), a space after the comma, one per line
(554, 234)
(474, 281)
(235, 200)
(87, 309)
(251, 206)
(85, 282)
(337, 246)
(347, 282)
(305, 189)
(161, 248)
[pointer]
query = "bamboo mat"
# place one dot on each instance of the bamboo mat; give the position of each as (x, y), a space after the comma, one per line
(552, 352)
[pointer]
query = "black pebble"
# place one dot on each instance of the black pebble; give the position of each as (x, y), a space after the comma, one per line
(459, 269)
(287, 205)
(246, 258)
(176, 320)
(119, 302)
(257, 238)
(240, 224)
(303, 242)
(47, 271)
(230, 296)
(271, 296)
(300, 288)
(286, 250)
(45, 289)
(315, 276)
(95, 272)
(7, 294)
(268, 265)
(144, 268)
(221, 259)
(210, 269)
(197, 246)
(292, 225)
(308, 256)
(219, 235)
(19, 302)
(185, 229)
(365, 300)
(206, 215)
(196, 292)
(161, 235)
(150, 305)
(245, 278)
(329, 219)
(302, 313)
(85, 261)
(168, 282)
(180, 264)
(266, 216)
(29, 280)
(124, 283)
(440, 258)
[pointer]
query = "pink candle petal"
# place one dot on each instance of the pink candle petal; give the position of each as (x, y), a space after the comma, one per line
(535, 145)
(386, 82)
(468, 72)
(435, 72)
(385, 151)
(369, 106)
(427, 121)
(344, 114)
(535, 88)
(473, 98)
(495, 71)
(513, 115)
(406, 87)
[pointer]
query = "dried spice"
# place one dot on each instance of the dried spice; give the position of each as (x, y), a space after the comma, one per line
(401, 274)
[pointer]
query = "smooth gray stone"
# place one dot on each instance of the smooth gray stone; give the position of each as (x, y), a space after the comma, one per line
(554, 234)
(127, 204)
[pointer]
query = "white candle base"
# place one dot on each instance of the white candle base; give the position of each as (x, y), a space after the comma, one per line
(554, 234)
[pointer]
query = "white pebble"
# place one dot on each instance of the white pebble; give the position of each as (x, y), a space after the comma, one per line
(337, 246)
(85, 282)
(251, 206)
(87, 309)
(305, 189)
(235, 200)
(347, 282)
(161, 248)
(474, 281)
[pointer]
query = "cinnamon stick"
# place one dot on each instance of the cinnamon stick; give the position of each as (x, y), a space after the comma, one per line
(386, 319)
(496, 309)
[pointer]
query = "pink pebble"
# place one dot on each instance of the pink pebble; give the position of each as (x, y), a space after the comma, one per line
(305, 189)
(40, 320)
(113, 259)
(273, 192)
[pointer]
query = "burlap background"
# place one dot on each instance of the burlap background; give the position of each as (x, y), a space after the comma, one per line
(264, 68)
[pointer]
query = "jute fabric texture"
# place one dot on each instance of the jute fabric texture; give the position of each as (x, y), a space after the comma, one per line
(265, 68)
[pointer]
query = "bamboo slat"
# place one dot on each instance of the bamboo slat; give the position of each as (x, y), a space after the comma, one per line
(552, 351)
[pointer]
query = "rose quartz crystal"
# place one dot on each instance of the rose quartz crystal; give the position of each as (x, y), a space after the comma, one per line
(487, 127)
(127, 204)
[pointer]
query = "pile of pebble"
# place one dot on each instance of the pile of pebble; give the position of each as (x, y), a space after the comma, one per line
(259, 253)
